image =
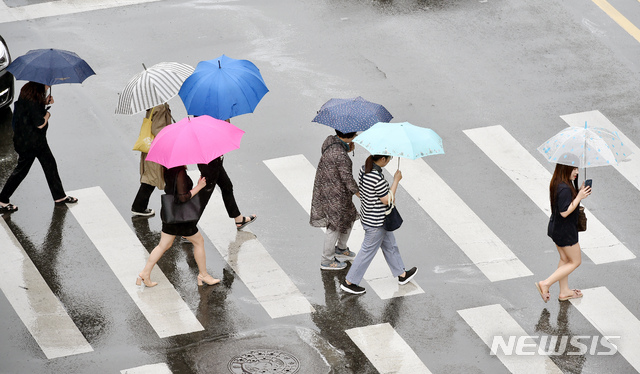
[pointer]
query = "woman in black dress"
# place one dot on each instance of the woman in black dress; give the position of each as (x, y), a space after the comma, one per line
(178, 183)
(563, 229)
(30, 123)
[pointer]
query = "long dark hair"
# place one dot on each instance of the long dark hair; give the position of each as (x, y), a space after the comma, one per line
(562, 174)
(368, 165)
(34, 91)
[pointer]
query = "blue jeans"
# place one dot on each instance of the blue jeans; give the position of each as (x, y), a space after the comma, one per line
(374, 238)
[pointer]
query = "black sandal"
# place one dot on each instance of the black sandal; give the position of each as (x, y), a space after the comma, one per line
(9, 208)
(67, 200)
(241, 225)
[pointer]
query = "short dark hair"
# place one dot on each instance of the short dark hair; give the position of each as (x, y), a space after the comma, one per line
(347, 135)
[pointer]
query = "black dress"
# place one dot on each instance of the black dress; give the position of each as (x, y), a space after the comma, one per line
(178, 183)
(564, 231)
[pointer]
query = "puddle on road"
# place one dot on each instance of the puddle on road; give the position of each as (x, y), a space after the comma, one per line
(409, 6)
(276, 349)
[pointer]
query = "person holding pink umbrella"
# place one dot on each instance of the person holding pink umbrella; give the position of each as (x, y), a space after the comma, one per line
(180, 185)
(189, 141)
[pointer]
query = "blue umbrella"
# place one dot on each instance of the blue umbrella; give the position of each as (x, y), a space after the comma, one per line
(50, 66)
(351, 115)
(401, 140)
(223, 88)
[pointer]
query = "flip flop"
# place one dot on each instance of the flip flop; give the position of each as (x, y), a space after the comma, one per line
(241, 225)
(576, 295)
(544, 297)
(67, 200)
(9, 208)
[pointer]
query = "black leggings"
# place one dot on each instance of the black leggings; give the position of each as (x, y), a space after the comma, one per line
(216, 175)
(25, 161)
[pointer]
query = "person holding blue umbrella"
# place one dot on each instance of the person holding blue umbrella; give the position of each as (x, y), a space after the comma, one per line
(385, 140)
(42, 68)
(332, 205)
(223, 88)
(375, 196)
(30, 123)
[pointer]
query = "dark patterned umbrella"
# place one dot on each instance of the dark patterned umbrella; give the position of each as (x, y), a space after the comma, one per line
(351, 115)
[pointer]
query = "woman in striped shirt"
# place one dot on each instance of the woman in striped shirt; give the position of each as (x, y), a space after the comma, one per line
(374, 197)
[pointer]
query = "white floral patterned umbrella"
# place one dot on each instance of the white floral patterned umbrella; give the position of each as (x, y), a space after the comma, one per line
(585, 147)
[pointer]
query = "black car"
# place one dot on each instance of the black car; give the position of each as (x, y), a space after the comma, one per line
(6, 78)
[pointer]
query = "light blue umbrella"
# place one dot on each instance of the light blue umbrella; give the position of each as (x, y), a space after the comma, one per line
(401, 140)
(223, 88)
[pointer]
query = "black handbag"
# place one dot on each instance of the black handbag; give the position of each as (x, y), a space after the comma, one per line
(582, 219)
(173, 211)
(392, 218)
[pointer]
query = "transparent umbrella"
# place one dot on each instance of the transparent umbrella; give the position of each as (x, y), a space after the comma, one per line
(585, 147)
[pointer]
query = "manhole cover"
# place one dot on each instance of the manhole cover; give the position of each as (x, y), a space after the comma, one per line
(260, 361)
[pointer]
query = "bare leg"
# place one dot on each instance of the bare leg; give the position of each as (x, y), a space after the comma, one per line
(165, 243)
(570, 259)
(201, 259)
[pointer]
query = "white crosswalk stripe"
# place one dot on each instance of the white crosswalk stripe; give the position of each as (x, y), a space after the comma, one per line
(533, 179)
(34, 302)
(266, 280)
(493, 320)
(297, 174)
(630, 167)
(160, 368)
(496, 261)
(58, 8)
(62, 7)
(163, 307)
(386, 350)
(612, 319)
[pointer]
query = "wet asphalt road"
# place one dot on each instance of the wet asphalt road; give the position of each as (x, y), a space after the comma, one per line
(446, 65)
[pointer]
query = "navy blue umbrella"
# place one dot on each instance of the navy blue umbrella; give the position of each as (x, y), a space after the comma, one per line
(50, 66)
(351, 115)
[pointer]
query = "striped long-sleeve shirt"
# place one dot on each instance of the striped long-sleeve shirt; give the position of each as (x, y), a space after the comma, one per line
(372, 187)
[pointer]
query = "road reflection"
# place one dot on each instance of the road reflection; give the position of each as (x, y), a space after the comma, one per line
(568, 361)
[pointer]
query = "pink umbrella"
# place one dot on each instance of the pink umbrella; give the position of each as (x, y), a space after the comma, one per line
(196, 140)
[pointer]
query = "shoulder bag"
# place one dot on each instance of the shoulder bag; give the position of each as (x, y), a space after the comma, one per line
(392, 218)
(173, 211)
(146, 136)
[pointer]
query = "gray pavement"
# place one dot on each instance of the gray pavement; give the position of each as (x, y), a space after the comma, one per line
(447, 65)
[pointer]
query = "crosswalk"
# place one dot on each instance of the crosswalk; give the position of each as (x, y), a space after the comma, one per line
(273, 289)
(62, 7)
(598, 243)
(38, 308)
(297, 174)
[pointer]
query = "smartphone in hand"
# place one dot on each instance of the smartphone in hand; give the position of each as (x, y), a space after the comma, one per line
(588, 183)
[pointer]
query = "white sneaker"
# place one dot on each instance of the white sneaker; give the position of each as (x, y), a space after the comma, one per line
(147, 213)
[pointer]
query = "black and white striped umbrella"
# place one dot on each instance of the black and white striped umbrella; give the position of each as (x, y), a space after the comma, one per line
(154, 86)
